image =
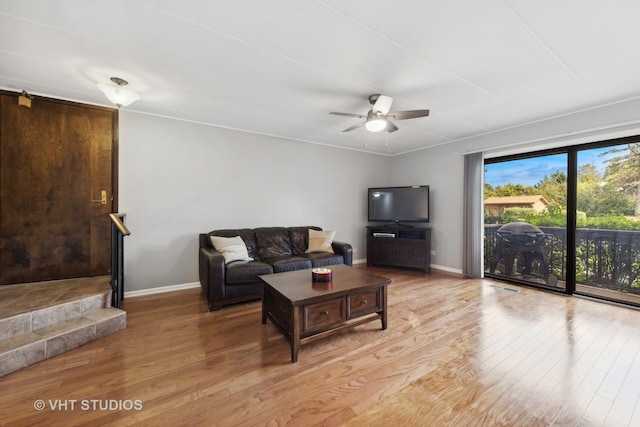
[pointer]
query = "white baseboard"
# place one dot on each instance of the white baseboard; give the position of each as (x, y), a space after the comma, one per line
(434, 266)
(171, 288)
(449, 269)
(161, 289)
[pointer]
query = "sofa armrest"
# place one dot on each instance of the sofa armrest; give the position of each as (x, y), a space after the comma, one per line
(212, 277)
(345, 250)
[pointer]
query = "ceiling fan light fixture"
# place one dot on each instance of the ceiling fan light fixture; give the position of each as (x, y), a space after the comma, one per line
(118, 93)
(377, 119)
(376, 124)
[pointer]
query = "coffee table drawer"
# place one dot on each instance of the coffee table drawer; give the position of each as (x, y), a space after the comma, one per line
(363, 303)
(323, 314)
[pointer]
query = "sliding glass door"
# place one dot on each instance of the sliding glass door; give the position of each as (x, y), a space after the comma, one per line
(525, 211)
(567, 220)
(607, 239)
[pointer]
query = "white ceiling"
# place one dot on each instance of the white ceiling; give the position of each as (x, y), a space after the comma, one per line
(278, 67)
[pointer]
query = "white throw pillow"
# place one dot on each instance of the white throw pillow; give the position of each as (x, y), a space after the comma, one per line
(320, 241)
(231, 248)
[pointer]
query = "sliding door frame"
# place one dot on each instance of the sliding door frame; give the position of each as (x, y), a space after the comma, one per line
(572, 199)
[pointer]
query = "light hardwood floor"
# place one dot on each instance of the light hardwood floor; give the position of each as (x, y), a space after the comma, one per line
(457, 352)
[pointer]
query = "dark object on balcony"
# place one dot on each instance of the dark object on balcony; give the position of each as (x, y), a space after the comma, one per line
(524, 240)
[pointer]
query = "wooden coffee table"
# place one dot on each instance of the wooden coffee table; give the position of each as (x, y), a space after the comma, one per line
(306, 310)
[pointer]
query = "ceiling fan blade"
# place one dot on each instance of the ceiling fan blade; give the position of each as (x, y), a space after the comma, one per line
(356, 126)
(383, 104)
(411, 114)
(360, 116)
(391, 127)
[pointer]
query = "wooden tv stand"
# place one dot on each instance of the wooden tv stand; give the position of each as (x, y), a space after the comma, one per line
(399, 246)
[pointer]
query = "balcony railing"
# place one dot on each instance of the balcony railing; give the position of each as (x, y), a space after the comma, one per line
(608, 259)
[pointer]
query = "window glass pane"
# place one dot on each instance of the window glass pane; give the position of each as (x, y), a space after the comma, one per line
(525, 220)
(608, 226)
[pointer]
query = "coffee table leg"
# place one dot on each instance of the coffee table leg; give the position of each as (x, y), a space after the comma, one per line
(295, 334)
(264, 306)
(384, 307)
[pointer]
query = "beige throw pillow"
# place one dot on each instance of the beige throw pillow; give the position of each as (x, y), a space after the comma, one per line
(231, 248)
(320, 241)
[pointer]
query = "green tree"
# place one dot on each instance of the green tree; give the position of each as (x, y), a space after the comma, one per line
(597, 197)
(512, 190)
(489, 191)
(554, 189)
(623, 171)
(588, 174)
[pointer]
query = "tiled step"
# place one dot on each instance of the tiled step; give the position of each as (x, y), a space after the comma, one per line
(34, 336)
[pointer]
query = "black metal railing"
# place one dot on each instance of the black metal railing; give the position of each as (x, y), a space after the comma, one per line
(608, 259)
(118, 231)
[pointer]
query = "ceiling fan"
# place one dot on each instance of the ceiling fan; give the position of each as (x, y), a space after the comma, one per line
(377, 118)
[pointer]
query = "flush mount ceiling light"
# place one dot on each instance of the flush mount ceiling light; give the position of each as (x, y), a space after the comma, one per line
(118, 93)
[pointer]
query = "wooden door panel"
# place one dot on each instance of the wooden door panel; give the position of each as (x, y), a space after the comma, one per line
(101, 153)
(56, 159)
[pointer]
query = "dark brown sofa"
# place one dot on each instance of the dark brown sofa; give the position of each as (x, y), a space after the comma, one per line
(273, 249)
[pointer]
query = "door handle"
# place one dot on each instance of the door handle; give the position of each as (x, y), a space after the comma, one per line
(103, 198)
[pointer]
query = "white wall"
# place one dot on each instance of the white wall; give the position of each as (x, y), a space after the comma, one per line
(178, 179)
(441, 169)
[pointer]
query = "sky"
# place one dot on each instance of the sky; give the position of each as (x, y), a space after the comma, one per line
(529, 172)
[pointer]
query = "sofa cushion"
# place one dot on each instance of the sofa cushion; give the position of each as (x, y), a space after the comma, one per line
(240, 272)
(247, 234)
(289, 263)
(320, 241)
(273, 242)
(231, 248)
(299, 237)
(323, 259)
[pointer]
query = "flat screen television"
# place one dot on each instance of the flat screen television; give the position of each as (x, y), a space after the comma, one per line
(399, 204)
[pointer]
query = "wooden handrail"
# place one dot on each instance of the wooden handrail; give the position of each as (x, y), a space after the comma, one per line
(118, 231)
(116, 218)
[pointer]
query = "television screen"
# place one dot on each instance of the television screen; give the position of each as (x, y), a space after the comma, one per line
(399, 204)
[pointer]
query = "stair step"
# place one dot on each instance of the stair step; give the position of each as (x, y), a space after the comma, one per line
(28, 348)
(60, 333)
(43, 317)
(20, 351)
